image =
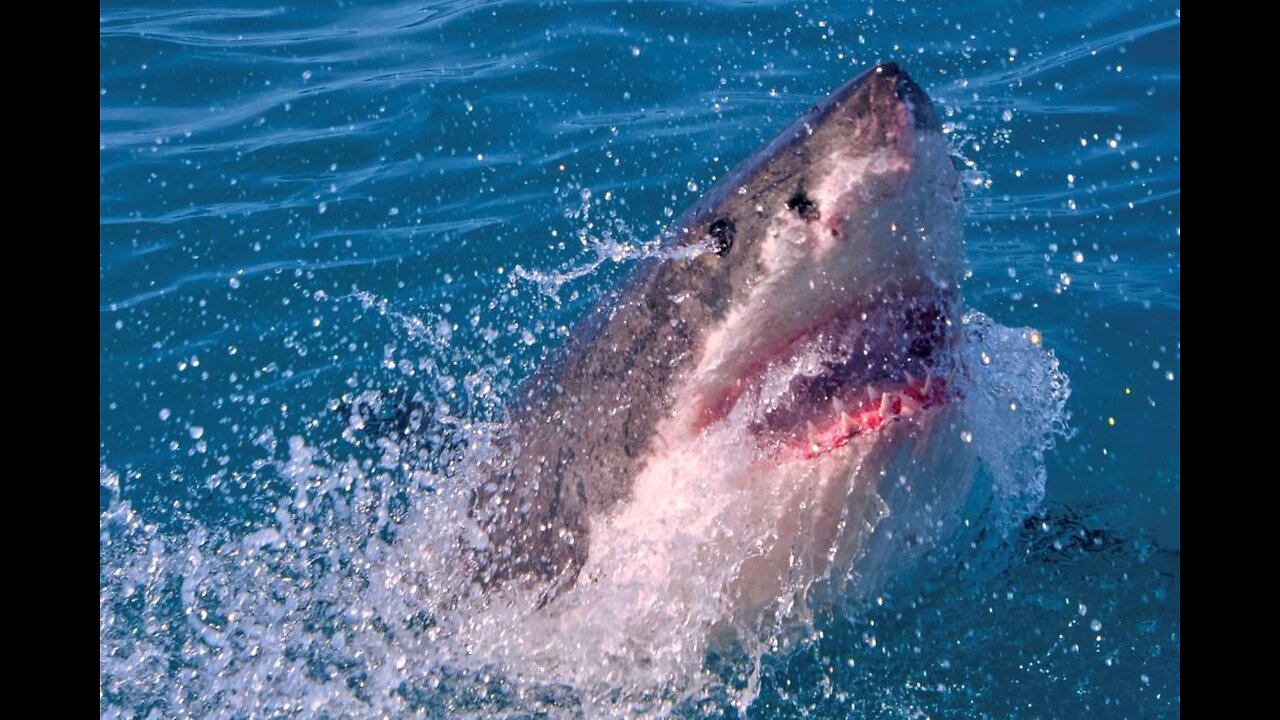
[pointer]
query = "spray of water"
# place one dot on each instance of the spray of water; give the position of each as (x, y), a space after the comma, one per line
(349, 600)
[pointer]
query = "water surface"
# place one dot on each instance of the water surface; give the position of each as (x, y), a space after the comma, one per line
(304, 209)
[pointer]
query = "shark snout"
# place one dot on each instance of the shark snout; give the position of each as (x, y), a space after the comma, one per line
(882, 107)
(907, 92)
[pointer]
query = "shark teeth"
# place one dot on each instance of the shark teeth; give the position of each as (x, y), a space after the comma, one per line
(848, 415)
(909, 405)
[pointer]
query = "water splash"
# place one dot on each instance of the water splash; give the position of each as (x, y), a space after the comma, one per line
(613, 242)
(1016, 405)
(347, 600)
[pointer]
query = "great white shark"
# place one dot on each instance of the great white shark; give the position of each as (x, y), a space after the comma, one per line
(765, 395)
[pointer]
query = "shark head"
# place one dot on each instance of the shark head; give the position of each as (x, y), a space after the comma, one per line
(751, 378)
(836, 254)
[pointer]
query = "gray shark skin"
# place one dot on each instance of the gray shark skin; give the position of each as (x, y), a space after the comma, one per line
(834, 251)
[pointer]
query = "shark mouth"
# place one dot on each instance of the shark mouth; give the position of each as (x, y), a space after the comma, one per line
(853, 375)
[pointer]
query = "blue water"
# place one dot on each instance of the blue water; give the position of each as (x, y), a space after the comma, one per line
(306, 210)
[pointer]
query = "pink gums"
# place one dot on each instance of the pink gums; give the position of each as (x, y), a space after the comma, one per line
(916, 397)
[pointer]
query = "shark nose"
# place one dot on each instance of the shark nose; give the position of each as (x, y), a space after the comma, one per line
(909, 92)
(883, 89)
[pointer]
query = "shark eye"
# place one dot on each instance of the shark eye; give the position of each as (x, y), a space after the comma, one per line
(801, 205)
(721, 232)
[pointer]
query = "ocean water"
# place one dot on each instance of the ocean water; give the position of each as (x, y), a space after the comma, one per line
(335, 237)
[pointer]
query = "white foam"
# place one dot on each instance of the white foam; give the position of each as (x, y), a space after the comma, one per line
(331, 603)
